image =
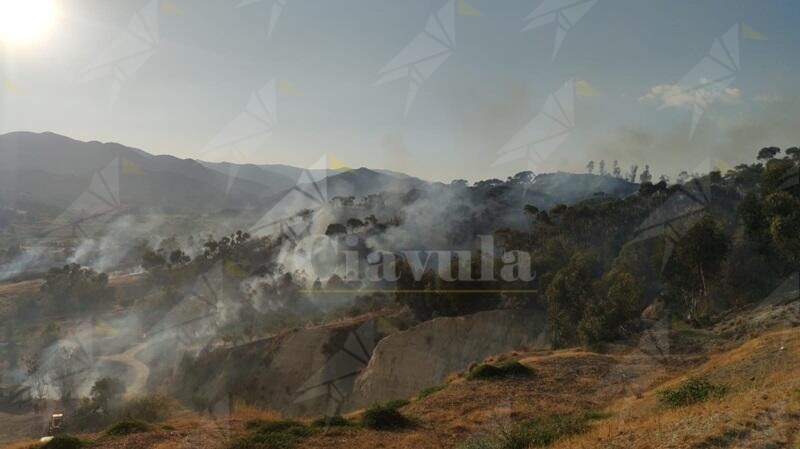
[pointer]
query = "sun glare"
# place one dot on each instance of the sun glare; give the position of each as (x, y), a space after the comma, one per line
(25, 22)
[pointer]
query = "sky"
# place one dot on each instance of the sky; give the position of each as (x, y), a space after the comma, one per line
(637, 81)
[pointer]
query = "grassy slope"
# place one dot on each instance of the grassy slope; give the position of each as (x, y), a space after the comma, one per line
(761, 409)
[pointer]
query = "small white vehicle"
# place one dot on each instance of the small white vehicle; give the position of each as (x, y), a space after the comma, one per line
(56, 424)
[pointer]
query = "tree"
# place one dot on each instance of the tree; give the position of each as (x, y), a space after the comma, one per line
(590, 167)
(632, 173)
(65, 380)
(153, 259)
(768, 153)
(774, 174)
(793, 152)
(354, 223)
(699, 256)
(335, 229)
(236, 247)
(782, 214)
(523, 177)
(646, 177)
(488, 183)
(624, 295)
(616, 170)
(568, 294)
(602, 168)
(178, 257)
(74, 283)
(531, 211)
(434, 296)
(751, 211)
(105, 391)
(603, 320)
(36, 378)
(683, 176)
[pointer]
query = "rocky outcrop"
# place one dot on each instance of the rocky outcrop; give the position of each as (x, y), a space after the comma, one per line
(301, 373)
(407, 362)
(339, 368)
(655, 311)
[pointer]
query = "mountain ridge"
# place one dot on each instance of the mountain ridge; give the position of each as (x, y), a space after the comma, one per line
(48, 169)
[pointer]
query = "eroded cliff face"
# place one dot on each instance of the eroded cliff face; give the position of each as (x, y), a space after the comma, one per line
(338, 368)
(301, 373)
(407, 362)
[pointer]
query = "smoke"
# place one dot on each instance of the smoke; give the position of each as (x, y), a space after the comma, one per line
(764, 121)
(432, 217)
(432, 221)
(120, 237)
(27, 260)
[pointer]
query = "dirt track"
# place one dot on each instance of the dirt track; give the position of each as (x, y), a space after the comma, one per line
(18, 288)
(140, 370)
(33, 285)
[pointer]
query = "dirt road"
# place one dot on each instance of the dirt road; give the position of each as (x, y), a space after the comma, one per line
(140, 370)
(33, 285)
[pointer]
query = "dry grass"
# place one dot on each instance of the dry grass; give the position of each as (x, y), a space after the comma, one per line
(22, 444)
(758, 412)
(761, 408)
(566, 382)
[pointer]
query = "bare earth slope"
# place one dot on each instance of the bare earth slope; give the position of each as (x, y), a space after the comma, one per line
(761, 408)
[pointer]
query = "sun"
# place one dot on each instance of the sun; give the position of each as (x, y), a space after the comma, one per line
(24, 22)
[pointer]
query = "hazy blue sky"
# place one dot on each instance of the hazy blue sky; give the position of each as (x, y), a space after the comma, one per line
(212, 55)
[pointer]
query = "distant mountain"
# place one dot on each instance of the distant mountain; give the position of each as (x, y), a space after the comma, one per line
(568, 188)
(363, 181)
(50, 171)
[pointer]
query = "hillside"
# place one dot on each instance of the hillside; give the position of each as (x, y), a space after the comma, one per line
(49, 170)
(618, 389)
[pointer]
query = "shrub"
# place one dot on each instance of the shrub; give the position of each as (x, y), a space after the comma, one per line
(277, 426)
(332, 421)
(429, 391)
(63, 442)
(384, 417)
(397, 403)
(128, 427)
(87, 417)
(481, 443)
(73, 283)
(271, 435)
(506, 370)
(151, 408)
(693, 391)
(546, 430)
(106, 390)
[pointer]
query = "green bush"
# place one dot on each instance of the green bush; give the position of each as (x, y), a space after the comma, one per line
(384, 417)
(271, 435)
(544, 431)
(693, 391)
(483, 442)
(128, 427)
(397, 403)
(332, 421)
(506, 370)
(88, 416)
(429, 391)
(63, 442)
(151, 408)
